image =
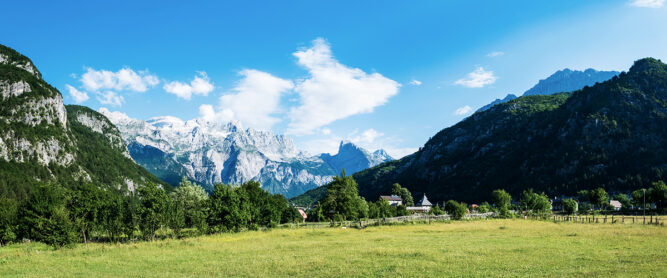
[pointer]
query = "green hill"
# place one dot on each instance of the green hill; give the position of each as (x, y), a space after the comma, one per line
(610, 135)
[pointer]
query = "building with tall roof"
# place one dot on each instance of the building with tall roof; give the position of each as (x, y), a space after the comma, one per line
(423, 206)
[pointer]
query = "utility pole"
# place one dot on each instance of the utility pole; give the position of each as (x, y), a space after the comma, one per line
(644, 189)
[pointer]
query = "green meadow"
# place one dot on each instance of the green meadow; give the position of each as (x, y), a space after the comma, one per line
(479, 248)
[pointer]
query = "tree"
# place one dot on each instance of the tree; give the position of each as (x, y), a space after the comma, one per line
(385, 209)
(659, 194)
(190, 201)
(637, 199)
(599, 197)
(502, 199)
(484, 207)
(154, 203)
(584, 195)
(570, 206)
(43, 217)
(8, 221)
(84, 205)
(536, 204)
(225, 209)
(343, 199)
(404, 193)
(436, 210)
(455, 209)
(623, 199)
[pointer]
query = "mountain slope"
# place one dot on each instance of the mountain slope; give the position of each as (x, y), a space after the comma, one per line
(562, 81)
(568, 80)
(41, 140)
(612, 135)
(211, 152)
(353, 158)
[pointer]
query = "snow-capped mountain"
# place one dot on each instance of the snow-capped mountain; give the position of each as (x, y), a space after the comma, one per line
(211, 152)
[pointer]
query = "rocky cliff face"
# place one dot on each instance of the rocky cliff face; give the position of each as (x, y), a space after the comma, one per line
(42, 140)
(211, 152)
(353, 158)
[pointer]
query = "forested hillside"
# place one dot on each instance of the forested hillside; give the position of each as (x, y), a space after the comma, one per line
(610, 135)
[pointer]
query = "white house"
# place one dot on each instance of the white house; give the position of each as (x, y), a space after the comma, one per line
(616, 204)
(393, 200)
(423, 206)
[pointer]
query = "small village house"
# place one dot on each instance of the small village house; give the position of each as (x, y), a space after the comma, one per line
(393, 200)
(423, 206)
(616, 204)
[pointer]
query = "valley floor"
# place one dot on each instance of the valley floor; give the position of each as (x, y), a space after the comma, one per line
(479, 248)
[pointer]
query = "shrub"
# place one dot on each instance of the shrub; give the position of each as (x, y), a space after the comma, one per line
(570, 206)
(455, 209)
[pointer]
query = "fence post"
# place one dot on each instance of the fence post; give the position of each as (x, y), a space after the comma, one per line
(612, 219)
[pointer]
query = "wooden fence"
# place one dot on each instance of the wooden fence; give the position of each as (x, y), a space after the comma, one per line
(646, 220)
(387, 221)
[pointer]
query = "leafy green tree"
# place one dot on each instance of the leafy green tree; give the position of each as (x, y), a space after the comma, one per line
(436, 210)
(584, 195)
(8, 221)
(84, 205)
(130, 216)
(659, 194)
(404, 193)
(43, 217)
(190, 201)
(570, 206)
(373, 210)
(536, 204)
(484, 207)
(455, 209)
(153, 208)
(343, 198)
(637, 199)
(401, 210)
(111, 215)
(226, 211)
(502, 199)
(599, 198)
(384, 209)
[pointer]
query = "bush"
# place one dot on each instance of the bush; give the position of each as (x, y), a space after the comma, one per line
(455, 209)
(570, 206)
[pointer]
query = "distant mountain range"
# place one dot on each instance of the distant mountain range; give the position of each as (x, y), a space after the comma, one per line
(43, 141)
(211, 152)
(565, 80)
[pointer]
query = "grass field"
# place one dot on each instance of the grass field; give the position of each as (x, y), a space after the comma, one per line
(467, 248)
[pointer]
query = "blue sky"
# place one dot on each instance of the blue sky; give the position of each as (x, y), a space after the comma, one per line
(383, 74)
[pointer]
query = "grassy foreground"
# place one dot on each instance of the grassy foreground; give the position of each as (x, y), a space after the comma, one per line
(471, 248)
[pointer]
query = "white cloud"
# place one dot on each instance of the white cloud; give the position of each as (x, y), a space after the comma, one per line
(495, 54)
(368, 136)
(77, 96)
(398, 153)
(462, 111)
(326, 131)
(334, 91)
(477, 79)
(254, 100)
(110, 98)
(124, 79)
(648, 3)
(415, 82)
(200, 85)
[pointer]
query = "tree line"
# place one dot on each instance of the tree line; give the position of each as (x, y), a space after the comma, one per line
(61, 216)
